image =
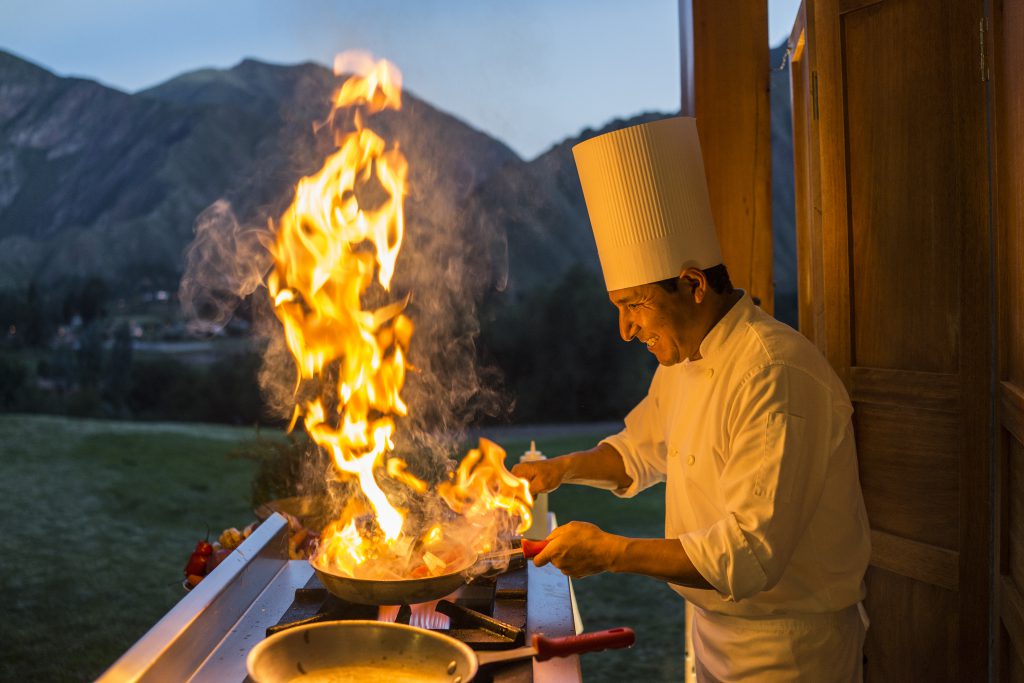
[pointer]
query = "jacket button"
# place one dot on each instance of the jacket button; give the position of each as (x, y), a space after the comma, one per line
(690, 460)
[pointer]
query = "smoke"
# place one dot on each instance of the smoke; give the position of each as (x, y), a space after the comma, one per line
(444, 267)
(223, 264)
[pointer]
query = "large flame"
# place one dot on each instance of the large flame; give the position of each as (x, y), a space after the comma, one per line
(341, 236)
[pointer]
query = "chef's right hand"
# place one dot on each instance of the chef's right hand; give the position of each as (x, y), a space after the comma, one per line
(543, 475)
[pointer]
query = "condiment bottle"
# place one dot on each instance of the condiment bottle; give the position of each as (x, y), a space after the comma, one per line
(539, 528)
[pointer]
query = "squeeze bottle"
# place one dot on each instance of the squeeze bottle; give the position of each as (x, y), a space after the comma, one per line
(539, 528)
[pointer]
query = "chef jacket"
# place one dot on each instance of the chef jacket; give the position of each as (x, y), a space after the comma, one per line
(755, 443)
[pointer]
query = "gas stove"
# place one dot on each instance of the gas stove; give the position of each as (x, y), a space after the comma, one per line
(257, 591)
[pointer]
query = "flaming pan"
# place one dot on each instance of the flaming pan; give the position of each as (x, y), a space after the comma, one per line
(410, 591)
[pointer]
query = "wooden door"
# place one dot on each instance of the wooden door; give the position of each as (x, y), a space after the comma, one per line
(1007, 72)
(905, 301)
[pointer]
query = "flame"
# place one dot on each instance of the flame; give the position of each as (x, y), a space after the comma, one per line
(482, 484)
(338, 240)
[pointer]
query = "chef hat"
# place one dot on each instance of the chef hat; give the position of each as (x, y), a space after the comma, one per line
(648, 202)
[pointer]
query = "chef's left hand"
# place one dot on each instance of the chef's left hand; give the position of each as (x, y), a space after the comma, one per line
(580, 549)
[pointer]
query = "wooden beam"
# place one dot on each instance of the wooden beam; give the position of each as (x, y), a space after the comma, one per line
(918, 561)
(729, 82)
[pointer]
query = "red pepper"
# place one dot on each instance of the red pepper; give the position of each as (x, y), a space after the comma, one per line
(204, 548)
(196, 564)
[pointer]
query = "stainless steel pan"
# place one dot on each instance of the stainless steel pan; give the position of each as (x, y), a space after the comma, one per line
(409, 591)
(367, 651)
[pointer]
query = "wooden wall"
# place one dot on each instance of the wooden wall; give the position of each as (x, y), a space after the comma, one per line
(729, 64)
(896, 288)
(1006, 48)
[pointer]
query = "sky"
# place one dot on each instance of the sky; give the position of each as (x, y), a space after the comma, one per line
(529, 72)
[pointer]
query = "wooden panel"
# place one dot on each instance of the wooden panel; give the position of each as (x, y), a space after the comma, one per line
(1011, 409)
(1013, 669)
(1008, 103)
(1011, 611)
(1013, 563)
(908, 470)
(914, 560)
(897, 227)
(730, 59)
(909, 618)
(846, 6)
(924, 390)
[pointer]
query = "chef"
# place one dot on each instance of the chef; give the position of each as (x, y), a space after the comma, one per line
(766, 533)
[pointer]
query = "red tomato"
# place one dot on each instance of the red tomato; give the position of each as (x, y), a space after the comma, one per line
(204, 548)
(196, 565)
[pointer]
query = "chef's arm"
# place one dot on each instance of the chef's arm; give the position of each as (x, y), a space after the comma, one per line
(600, 467)
(581, 549)
(661, 558)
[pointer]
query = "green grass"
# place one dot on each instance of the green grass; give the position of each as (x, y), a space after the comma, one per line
(99, 517)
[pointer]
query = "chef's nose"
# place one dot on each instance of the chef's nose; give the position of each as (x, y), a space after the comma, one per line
(627, 329)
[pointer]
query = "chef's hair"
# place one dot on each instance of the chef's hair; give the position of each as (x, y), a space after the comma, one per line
(718, 280)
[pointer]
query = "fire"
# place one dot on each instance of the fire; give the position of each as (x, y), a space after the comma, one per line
(335, 246)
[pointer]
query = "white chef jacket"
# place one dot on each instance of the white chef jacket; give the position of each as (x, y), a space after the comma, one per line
(755, 444)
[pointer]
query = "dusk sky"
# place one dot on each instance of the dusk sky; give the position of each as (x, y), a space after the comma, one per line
(530, 72)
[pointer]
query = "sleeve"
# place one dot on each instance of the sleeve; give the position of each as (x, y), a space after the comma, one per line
(642, 444)
(779, 424)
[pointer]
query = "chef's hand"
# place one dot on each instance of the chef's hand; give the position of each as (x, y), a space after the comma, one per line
(580, 549)
(543, 475)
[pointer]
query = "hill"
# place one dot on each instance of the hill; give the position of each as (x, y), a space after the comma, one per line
(98, 182)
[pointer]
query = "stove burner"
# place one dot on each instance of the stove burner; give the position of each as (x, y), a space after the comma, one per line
(486, 614)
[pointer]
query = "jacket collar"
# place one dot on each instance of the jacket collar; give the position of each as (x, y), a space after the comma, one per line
(740, 313)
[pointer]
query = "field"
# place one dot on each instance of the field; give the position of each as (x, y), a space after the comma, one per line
(100, 516)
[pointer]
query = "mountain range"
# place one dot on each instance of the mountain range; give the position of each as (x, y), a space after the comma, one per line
(95, 182)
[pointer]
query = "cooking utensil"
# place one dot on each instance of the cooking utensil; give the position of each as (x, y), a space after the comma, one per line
(340, 651)
(410, 591)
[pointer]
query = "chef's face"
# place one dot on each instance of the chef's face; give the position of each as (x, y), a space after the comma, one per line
(671, 324)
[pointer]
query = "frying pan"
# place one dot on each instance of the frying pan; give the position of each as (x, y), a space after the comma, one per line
(366, 651)
(409, 591)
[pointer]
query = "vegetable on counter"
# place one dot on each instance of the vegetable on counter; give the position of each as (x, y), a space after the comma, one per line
(207, 556)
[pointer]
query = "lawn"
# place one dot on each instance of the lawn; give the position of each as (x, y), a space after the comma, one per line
(100, 516)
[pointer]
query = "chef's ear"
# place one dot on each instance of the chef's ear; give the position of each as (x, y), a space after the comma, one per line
(694, 282)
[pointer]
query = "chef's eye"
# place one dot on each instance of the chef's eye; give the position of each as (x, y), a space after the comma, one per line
(632, 307)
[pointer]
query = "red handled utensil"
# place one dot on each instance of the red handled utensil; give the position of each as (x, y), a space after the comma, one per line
(544, 648)
(529, 550)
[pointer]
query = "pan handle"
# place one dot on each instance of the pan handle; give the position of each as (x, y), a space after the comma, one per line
(532, 548)
(611, 639)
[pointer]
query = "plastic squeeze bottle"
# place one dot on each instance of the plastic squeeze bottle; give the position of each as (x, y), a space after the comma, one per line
(539, 528)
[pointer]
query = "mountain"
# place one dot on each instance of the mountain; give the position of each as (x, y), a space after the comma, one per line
(98, 182)
(538, 207)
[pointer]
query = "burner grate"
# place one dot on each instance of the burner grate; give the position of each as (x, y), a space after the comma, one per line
(486, 614)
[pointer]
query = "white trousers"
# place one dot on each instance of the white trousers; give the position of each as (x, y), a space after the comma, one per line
(822, 648)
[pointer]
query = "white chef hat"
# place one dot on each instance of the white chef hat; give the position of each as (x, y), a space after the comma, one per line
(648, 202)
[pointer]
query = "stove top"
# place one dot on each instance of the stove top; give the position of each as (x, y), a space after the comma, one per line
(486, 614)
(257, 590)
